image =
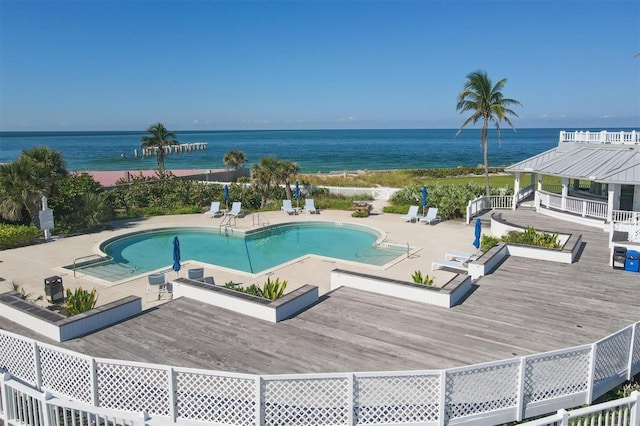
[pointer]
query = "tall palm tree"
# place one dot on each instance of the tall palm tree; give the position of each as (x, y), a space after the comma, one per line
(234, 159)
(487, 103)
(159, 137)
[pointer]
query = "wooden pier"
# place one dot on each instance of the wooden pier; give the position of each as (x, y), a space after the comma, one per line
(173, 149)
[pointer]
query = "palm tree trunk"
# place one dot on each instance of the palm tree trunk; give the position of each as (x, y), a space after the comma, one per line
(485, 143)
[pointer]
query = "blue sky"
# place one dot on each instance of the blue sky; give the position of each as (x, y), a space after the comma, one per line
(123, 65)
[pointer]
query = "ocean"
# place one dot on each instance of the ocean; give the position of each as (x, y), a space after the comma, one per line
(313, 150)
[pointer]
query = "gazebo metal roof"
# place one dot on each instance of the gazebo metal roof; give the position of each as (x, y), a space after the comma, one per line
(598, 163)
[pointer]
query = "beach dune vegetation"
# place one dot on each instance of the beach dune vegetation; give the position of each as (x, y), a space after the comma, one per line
(487, 104)
(158, 137)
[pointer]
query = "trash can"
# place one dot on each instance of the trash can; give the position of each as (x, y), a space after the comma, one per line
(53, 289)
(633, 261)
(619, 257)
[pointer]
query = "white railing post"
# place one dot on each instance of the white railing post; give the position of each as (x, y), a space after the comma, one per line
(584, 209)
(259, 402)
(521, 381)
(634, 336)
(95, 400)
(351, 419)
(592, 373)
(4, 403)
(635, 408)
(171, 383)
(44, 409)
(469, 211)
(565, 417)
(36, 364)
(442, 410)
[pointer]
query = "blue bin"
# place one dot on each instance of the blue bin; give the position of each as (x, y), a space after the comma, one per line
(632, 263)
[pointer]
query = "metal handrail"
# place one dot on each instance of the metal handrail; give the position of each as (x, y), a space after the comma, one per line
(84, 257)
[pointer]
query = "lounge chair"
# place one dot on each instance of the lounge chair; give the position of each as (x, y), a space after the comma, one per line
(450, 264)
(197, 274)
(236, 209)
(431, 216)
(460, 256)
(310, 206)
(412, 214)
(157, 283)
(286, 206)
(215, 208)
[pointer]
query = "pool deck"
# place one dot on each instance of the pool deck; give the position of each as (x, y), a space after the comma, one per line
(524, 307)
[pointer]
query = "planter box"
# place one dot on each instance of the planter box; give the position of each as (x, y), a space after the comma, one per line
(247, 304)
(446, 296)
(60, 328)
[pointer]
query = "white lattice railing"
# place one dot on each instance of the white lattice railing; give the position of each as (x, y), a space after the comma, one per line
(483, 203)
(496, 392)
(582, 207)
(603, 137)
(619, 412)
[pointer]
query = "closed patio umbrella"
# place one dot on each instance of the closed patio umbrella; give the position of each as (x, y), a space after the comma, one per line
(424, 199)
(478, 233)
(297, 193)
(176, 254)
(226, 195)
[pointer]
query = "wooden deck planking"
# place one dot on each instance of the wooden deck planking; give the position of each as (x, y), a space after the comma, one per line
(525, 307)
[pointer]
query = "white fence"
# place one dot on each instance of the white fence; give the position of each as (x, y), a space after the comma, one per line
(619, 412)
(605, 137)
(582, 207)
(483, 203)
(489, 393)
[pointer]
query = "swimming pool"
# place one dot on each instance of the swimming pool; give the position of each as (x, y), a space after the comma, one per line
(254, 252)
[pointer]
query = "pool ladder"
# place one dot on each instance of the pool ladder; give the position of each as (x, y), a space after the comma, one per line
(257, 222)
(98, 259)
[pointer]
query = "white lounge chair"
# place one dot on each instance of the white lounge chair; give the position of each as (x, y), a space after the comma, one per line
(215, 208)
(158, 284)
(431, 216)
(450, 264)
(287, 207)
(236, 209)
(310, 206)
(412, 214)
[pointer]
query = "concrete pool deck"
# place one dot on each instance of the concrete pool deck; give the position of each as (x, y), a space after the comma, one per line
(29, 266)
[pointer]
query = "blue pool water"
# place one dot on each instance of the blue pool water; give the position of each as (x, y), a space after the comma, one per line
(144, 252)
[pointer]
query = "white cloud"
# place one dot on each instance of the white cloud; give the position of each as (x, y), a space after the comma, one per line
(195, 121)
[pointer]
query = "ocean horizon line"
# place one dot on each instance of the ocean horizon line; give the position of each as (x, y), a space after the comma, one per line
(192, 131)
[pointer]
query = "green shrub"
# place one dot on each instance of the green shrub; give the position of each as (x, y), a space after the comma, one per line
(359, 213)
(270, 289)
(532, 238)
(487, 241)
(12, 236)
(79, 301)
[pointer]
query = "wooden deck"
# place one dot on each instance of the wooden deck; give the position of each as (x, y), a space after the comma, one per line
(524, 307)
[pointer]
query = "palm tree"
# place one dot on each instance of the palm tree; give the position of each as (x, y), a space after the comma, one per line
(159, 137)
(234, 159)
(487, 104)
(287, 169)
(23, 182)
(264, 174)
